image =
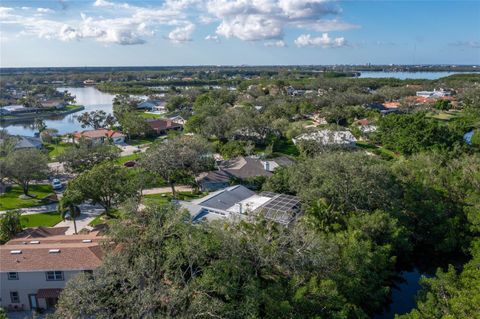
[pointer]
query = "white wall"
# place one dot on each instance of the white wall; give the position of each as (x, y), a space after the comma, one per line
(29, 283)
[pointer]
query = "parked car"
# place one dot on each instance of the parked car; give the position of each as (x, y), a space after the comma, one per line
(57, 184)
(129, 164)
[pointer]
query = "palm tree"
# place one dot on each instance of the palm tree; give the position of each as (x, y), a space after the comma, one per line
(70, 212)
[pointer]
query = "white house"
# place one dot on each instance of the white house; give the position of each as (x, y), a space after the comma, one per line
(35, 267)
(239, 203)
(328, 138)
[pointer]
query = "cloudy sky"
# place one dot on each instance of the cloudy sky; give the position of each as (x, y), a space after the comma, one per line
(232, 32)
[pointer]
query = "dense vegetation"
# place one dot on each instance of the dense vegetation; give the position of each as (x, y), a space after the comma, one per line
(410, 195)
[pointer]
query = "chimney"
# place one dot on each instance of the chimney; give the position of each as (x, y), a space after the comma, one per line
(240, 208)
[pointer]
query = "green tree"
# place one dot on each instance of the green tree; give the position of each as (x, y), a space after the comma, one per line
(164, 266)
(39, 124)
(350, 181)
(178, 159)
(96, 119)
(443, 105)
(105, 184)
(10, 225)
(69, 205)
(412, 133)
(23, 166)
(85, 155)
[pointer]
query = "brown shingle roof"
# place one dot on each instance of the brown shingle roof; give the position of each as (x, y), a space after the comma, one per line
(74, 254)
(41, 231)
(162, 125)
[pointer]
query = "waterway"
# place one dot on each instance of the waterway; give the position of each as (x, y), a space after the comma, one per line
(409, 75)
(403, 294)
(89, 97)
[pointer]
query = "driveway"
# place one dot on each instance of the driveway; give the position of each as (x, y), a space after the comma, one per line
(89, 212)
(130, 149)
(36, 209)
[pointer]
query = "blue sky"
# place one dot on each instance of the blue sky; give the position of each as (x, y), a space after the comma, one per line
(233, 32)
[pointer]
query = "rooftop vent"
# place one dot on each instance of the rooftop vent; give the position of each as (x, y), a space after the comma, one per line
(54, 251)
(86, 241)
(15, 252)
(35, 242)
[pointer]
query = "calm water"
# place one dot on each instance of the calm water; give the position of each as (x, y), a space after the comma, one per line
(403, 295)
(89, 97)
(408, 75)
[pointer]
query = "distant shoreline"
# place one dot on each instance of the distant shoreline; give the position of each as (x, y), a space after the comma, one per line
(31, 116)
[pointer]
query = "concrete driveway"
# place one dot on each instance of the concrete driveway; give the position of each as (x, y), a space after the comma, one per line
(89, 212)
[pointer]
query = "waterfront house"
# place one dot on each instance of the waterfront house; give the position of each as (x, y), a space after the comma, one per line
(36, 265)
(57, 104)
(25, 142)
(152, 105)
(163, 126)
(101, 136)
(240, 203)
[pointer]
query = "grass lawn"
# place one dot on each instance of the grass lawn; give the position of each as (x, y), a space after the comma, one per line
(131, 157)
(96, 221)
(444, 115)
(286, 147)
(11, 200)
(56, 149)
(378, 150)
(141, 141)
(151, 116)
(70, 107)
(44, 219)
(166, 198)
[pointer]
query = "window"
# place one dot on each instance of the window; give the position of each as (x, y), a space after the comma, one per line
(13, 276)
(54, 275)
(14, 298)
(88, 272)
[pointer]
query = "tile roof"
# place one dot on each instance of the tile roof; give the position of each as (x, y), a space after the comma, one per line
(102, 132)
(391, 104)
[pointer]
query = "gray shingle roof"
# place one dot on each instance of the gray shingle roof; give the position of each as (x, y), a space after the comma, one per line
(28, 142)
(225, 198)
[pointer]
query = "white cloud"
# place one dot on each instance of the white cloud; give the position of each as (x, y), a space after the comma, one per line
(182, 34)
(306, 40)
(254, 20)
(251, 28)
(44, 10)
(278, 44)
(247, 20)
(326, 25)
(213, 38)
(466, 44)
